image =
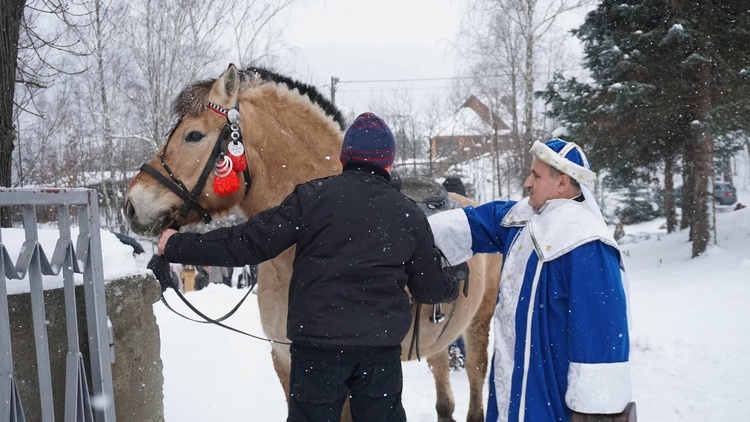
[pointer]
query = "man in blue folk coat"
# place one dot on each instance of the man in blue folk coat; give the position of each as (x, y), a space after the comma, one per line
(561, 320)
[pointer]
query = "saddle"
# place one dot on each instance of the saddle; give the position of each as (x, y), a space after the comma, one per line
(432, 198)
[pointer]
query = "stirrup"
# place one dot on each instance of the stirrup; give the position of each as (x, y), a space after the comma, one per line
(437, 314)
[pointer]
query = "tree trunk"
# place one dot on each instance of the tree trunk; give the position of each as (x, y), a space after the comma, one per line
(110, 191)
(517, 162)
(703, 162)
(726, 168)
(528, 135)
(688, 185)
(496, 163)
(668, 204)
(510, 102)
(11, 13)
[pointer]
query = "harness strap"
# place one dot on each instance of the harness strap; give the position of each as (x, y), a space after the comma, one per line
(201, 183)
(176, 190)
(415, 334)
(233, 118)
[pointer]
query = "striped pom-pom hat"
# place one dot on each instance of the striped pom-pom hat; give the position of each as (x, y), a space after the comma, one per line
(369, 140)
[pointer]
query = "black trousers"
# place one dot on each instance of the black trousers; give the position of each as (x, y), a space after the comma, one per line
(319, 388)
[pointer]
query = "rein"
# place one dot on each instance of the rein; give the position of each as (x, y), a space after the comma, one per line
(209, 320)
(231, 129)
(160, 267)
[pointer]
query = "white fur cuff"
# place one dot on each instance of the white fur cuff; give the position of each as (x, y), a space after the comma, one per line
(599, 387)
(452, 235)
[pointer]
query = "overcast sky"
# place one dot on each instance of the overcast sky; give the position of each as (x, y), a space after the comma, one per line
(365, 41)
(382, 23)
(360, 42)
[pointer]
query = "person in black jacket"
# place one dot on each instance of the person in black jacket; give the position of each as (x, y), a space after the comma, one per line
(360, 243)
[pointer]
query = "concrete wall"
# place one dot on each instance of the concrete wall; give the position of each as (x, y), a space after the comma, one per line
(137, 370)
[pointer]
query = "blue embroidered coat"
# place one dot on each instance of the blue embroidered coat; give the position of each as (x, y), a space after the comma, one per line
(560, 324)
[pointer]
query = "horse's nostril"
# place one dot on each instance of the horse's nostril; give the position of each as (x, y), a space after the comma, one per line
(129, 210)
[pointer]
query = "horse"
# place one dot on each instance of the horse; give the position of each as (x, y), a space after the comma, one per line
(291, 134)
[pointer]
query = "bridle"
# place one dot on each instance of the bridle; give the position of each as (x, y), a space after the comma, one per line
(231, 129)
(230, 132)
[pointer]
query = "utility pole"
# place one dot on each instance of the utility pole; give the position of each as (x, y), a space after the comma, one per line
(334, 81)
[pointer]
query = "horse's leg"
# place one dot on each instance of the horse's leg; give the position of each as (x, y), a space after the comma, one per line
(273, 288)
(477, 338)
(282, 363)
(445, 404)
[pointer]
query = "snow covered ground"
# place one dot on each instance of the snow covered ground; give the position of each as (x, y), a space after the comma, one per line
(690, 347)
(690, 342)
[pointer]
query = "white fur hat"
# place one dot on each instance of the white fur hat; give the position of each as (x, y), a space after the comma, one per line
(566, 157)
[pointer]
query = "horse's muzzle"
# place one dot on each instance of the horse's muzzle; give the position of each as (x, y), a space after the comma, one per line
(146, 228)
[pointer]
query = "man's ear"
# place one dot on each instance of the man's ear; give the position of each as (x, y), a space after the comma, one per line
(563, 183)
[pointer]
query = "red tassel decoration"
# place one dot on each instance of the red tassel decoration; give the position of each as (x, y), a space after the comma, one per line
(228, 185)
(239, 162)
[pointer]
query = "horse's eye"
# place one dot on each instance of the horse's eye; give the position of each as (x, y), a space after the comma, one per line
(193, 136)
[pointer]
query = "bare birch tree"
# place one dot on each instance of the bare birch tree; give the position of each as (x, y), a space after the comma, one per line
(108, 106)
(257, 30)
(503, 40)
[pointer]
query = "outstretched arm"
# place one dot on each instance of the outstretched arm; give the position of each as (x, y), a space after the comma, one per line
(428, 283)
(261, 238)
(461, 233)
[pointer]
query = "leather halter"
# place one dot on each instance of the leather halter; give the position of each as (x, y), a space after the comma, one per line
(176, 185)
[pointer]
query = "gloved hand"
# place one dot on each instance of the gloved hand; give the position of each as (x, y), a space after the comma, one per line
(160, 267)
(461, 273)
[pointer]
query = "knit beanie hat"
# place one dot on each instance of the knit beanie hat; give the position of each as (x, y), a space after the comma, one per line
(368, 139)
(566, 157)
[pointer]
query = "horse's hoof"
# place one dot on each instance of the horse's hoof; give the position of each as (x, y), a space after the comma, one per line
(446, 419)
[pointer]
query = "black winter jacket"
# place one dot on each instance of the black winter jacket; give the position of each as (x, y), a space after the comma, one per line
(359, 244)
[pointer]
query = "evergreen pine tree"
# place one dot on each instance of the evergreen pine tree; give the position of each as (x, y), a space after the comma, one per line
(669, 78)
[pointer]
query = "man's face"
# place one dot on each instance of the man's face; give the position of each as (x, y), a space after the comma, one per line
(541, 185)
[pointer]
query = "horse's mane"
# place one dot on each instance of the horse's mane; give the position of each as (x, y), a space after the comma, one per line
(308, 90)
(192, 99)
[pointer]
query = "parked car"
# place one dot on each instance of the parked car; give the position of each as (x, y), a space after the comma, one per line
(724, 193)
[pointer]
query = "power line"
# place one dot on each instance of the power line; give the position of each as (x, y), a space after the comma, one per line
(391, 89)
(353, 81)
(417, 79)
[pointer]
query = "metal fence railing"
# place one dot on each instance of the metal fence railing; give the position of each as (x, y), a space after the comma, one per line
(66, 259)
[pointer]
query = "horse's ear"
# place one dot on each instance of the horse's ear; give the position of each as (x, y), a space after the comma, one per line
(229, 83)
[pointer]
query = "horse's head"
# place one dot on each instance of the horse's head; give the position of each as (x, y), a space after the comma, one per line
(177, 186)
(243, 139)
